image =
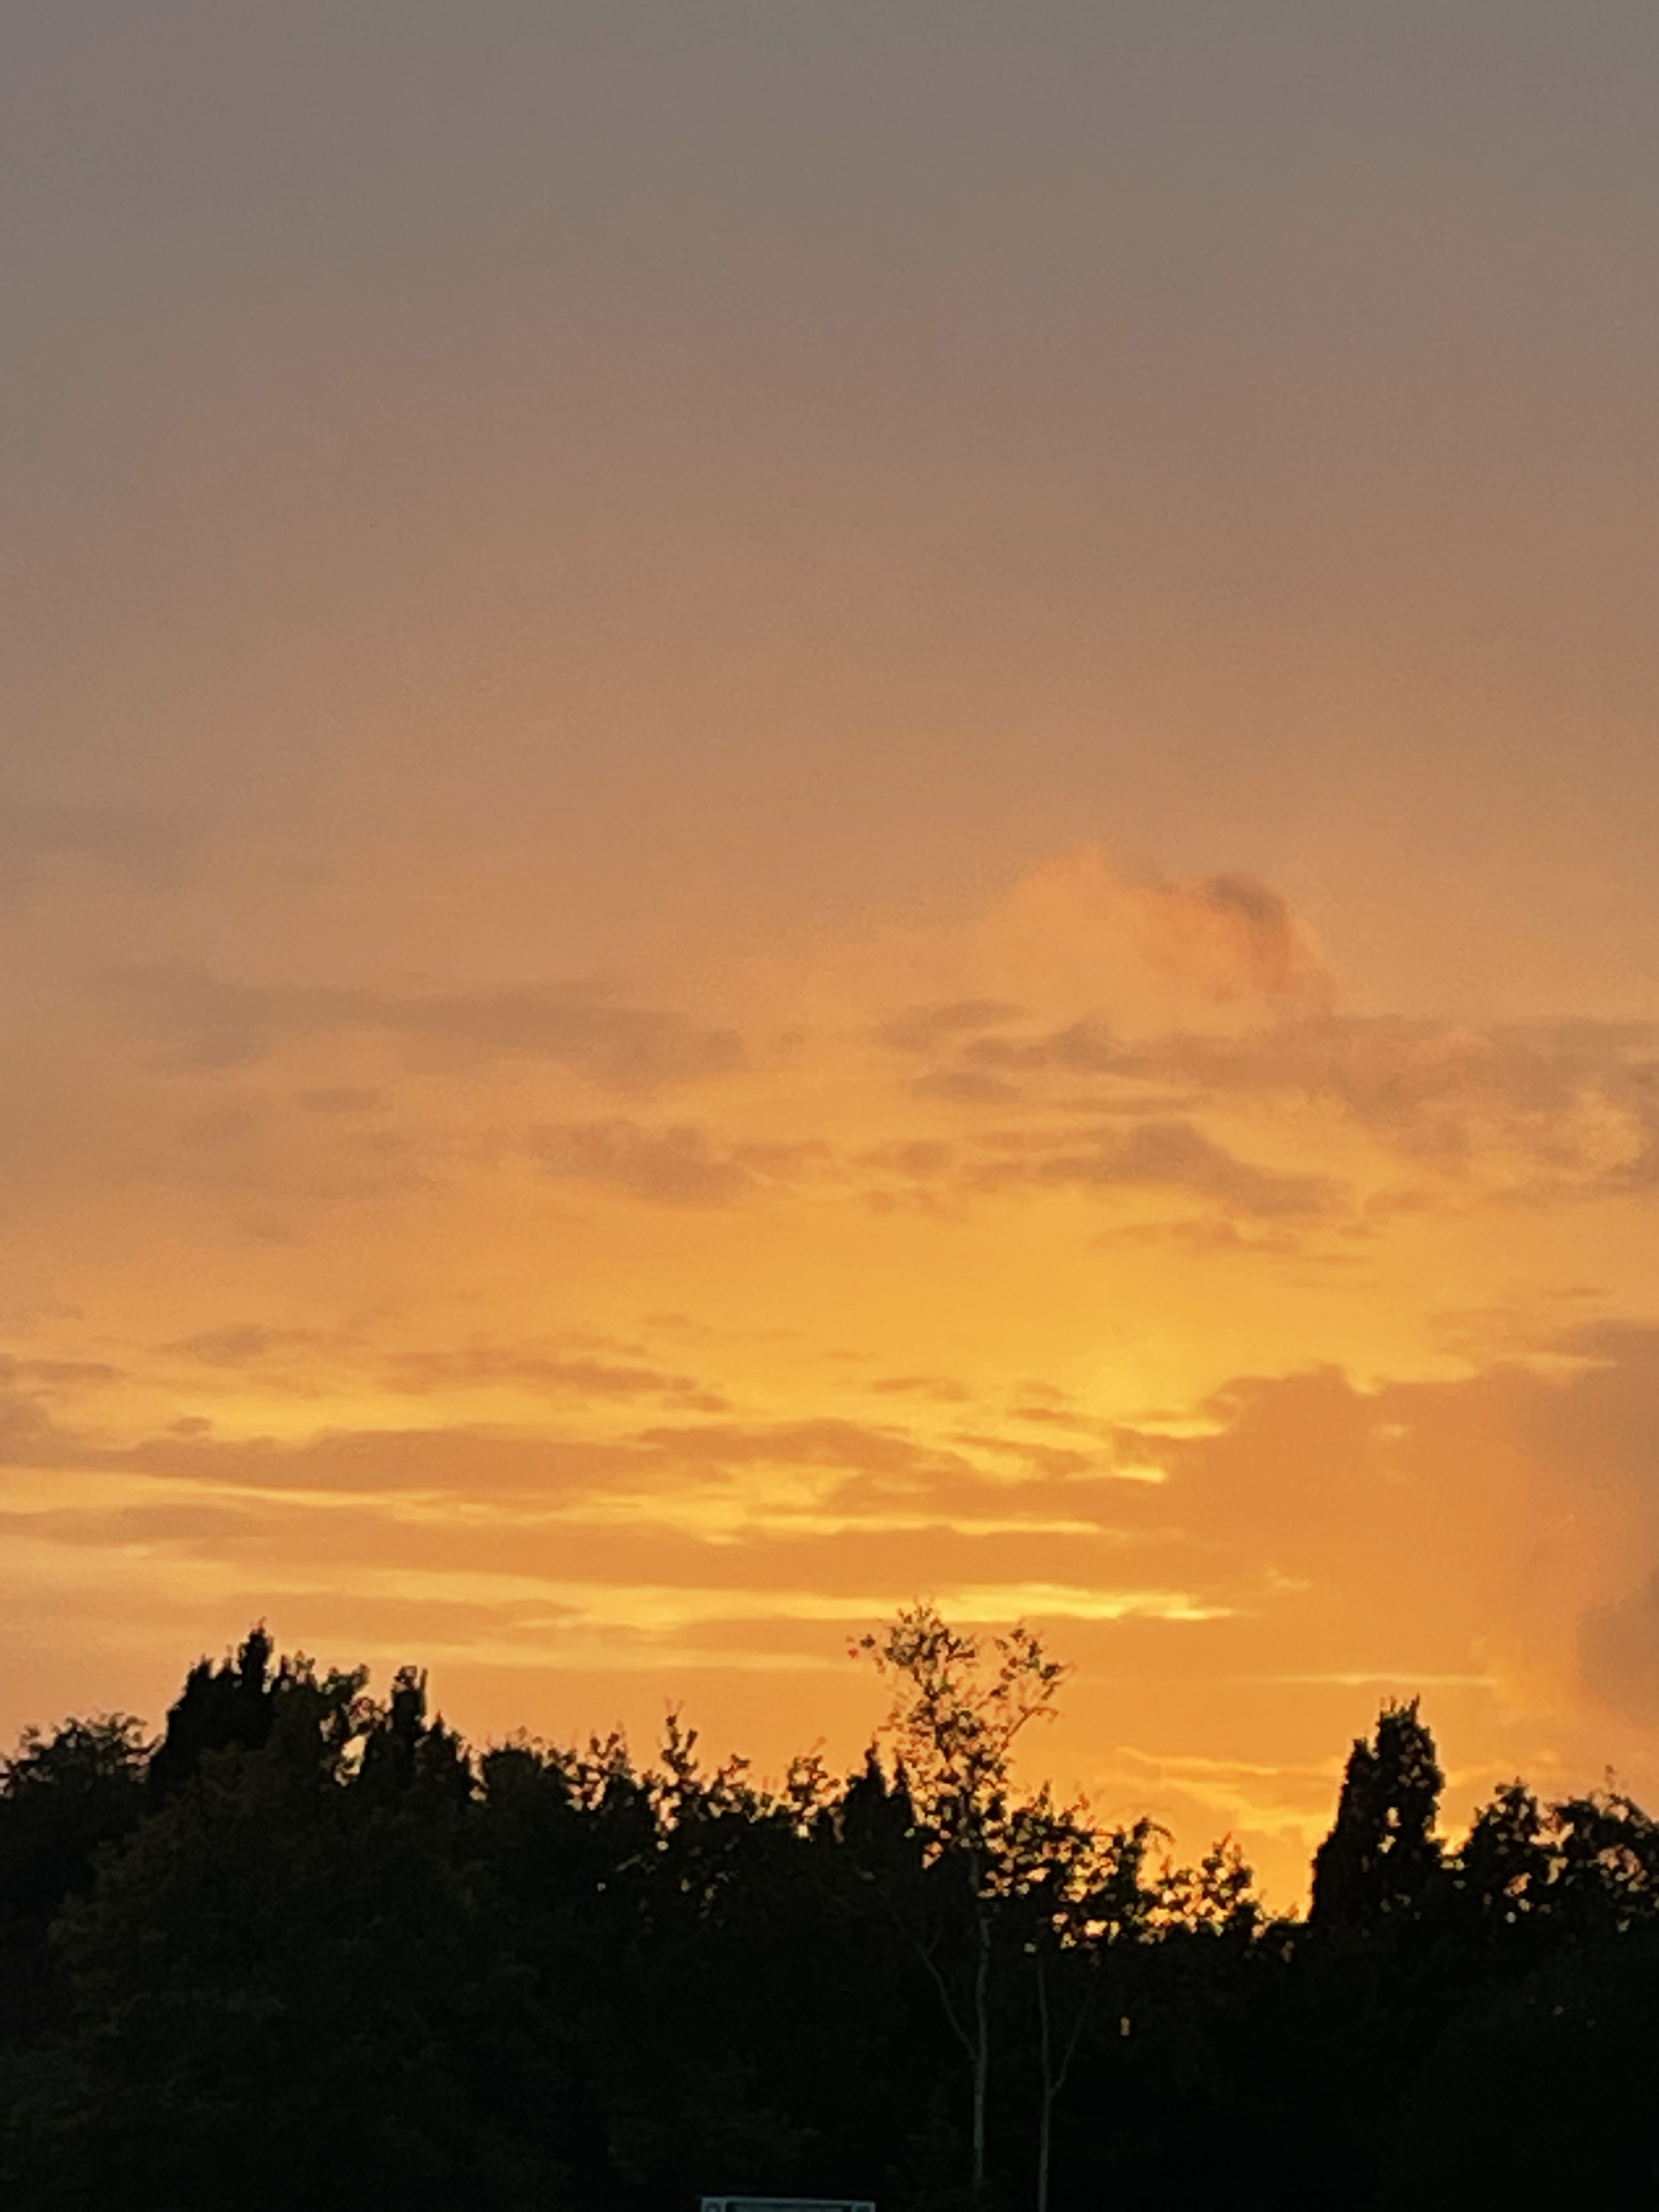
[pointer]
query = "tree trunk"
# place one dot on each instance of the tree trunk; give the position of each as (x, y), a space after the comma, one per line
(1050, 2087)
(982, 2042)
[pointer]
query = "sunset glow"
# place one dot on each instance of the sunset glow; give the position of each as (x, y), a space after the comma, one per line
(814, 805)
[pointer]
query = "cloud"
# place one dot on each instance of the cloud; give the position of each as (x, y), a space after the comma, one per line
(1217, 940)
(458, 1462)
(542, 1368)
(1179, 1001)
(965, 1087)
(345, 1099)
(1235, 935)
(1175, 1157)
(854, 1447)
(1083, 1048)
(1212, 1237)
(1487, 1525)
(48, 1376)
(920, 1158)
(524, 1582)
(1297, 1550)
(852, 1466)
(1161, 1156)
(677, 1165)
(206, 1022)
(942, 1389)
(246, 1348)
(1544, 1110)
(421, 1374)
(924, 1028)
(1571, 1101)
(241, 1345)
(28, 1435)
(1057, 1460)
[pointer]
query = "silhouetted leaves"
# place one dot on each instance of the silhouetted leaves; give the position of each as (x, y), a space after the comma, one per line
(311, 1953)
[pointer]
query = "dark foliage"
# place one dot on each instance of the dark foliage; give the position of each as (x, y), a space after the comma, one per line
(310, 1952)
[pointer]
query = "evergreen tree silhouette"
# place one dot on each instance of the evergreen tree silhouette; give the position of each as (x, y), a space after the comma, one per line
(1382, 1860)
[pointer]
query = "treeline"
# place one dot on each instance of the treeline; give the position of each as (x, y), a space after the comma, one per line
(310, 1951)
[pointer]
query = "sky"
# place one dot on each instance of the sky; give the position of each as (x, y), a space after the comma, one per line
(812, 803)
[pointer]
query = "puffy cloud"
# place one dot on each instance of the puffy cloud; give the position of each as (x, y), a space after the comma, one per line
(1080, 924)
(1487, 1524)
(1234, 936)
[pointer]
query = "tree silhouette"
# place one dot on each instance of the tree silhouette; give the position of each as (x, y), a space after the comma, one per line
(332, 1958)
(953, 1726)
(65, 1799)
(234, 1702)
(1083, 1895)
(1381, 1858)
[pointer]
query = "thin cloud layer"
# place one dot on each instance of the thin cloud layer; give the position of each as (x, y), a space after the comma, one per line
(675, 1165)
(202, 1021)
(1535, 1108)
(1159, 1156)
(1491, 1541)
(1571, 1100)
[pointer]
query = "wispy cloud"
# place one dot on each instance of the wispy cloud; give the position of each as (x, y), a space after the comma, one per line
(206, 1021)
(1159, 1156)
(925, 1028)
(547, 1373)
(676, 1165)
(1529, 1109)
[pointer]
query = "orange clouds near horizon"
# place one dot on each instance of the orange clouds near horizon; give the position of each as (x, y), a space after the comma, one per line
(811, 806)
(599, 1352)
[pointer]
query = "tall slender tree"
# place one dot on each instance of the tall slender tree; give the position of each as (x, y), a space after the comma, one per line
(953, 1725)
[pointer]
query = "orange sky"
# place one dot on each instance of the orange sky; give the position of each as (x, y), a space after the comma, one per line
(813, 804)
